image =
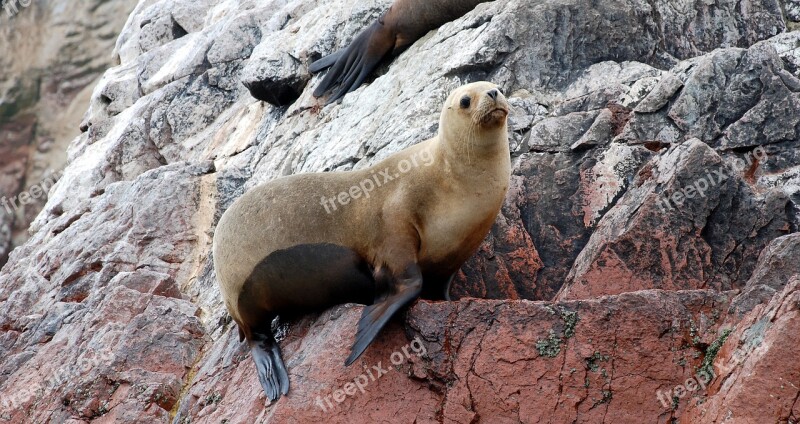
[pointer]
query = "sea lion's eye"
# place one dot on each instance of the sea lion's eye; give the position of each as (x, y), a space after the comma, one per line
(465, 101)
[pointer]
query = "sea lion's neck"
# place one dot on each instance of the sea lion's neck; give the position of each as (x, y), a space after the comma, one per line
(470, 151)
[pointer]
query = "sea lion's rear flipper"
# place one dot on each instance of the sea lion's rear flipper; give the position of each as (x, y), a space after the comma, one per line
(352, 65)
(269, 365)
(326, 62)
(374, 317)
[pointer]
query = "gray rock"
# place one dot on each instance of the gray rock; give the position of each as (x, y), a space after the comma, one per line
(50, 61)
(792, 10)
(551, 134)
(606, 102)
(684, 224)
(660, 95)
(600, 132)
(277, 71)
(787, 45)
(777, 264)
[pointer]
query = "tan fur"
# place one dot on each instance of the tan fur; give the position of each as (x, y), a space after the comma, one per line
(434, 215)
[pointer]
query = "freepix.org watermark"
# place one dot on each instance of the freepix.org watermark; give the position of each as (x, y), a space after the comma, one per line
(670, 398)
(377, 179)
(33, 193)
(12, 6)
(711, 178)
(370, 375)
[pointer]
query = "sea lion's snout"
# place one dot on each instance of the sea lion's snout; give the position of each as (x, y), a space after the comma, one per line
(496, 109)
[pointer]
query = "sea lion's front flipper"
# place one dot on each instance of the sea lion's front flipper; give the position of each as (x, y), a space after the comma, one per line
(269, 365)
(374, 317)
(352, 65)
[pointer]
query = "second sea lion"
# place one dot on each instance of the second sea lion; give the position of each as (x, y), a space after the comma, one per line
(405, 22)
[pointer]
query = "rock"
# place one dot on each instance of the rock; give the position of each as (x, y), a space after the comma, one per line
(777, 265)
(793, 10)
(15, 152)
(786, 45)
(606, 292)
(660, 95)
(687, 190)
(277, 71)
(600, 132)
(508, 360)
(318, 349)
(549, 134)
(50, 63)
(549, 62)
(114, 281)
(755, 367)
(572, 361)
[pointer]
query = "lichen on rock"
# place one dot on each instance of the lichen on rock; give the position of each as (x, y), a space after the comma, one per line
(654, 203)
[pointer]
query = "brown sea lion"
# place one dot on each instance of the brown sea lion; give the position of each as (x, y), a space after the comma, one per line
(310, 241)
(405, 22)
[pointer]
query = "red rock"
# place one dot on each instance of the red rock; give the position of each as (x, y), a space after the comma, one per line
(759, 375)
(492, 361)
(227, 388)
(110, 312)
(777, 264)
(650, 240)
(505, 257)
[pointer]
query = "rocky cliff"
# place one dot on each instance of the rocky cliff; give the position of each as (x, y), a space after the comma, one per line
(53, 53)
(644, 268)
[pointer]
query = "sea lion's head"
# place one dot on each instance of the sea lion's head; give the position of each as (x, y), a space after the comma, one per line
(476, 112)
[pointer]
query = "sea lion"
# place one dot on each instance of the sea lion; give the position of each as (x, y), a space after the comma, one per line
(405, 22)
(306, 242)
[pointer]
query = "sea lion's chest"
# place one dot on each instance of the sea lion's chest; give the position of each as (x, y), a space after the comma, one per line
(453, 230)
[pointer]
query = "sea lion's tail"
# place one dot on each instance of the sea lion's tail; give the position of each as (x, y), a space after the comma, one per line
(269, 365)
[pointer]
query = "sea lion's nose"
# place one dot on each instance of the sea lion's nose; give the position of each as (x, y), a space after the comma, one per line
(493, 94)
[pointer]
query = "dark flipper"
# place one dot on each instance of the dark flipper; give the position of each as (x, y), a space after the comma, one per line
(375, 317)
(403, 24)
(271, 370)
(326, 61)
(351, 65)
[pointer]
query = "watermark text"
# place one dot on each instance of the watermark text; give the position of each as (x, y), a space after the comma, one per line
(710, 179)
(376, 179)
(670, 398)
(12, 6)
(370, 375)
(32, 194)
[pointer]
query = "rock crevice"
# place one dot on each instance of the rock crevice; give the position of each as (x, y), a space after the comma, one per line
(648, 239)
